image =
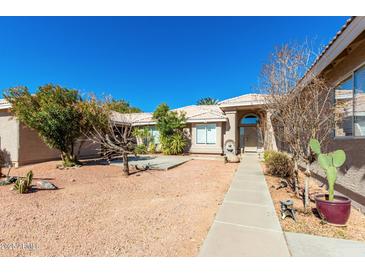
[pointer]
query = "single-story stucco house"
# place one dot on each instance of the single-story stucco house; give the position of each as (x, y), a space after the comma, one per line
(242, 121)
(209, 128)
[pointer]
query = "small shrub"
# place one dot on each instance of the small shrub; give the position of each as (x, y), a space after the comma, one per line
(267, 154)
(279, 164)
(23, 185)
(174, 144)
(140, 149)
(152, 148)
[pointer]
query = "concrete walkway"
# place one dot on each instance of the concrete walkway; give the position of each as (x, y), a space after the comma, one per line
(155, 162)
(304, 245)
(246, 223)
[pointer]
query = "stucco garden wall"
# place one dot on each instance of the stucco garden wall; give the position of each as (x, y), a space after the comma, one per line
(9, 136)
(32, 149)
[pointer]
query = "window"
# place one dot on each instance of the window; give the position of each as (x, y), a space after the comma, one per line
(155, 135)
(250, 119)
(344, 106)
(359, 102)
(350, 103)
(206, 134)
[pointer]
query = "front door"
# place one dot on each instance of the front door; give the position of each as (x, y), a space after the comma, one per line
(248, 138)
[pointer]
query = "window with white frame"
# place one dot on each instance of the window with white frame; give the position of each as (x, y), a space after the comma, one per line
(350, 105)
(206, 134)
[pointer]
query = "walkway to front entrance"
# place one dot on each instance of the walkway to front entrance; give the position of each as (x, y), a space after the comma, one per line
(246, 224)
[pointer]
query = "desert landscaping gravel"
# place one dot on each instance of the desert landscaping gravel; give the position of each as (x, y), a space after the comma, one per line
(98, 212)
(309, 222)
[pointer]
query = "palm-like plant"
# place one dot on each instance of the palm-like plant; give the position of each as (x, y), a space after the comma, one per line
(207, 101)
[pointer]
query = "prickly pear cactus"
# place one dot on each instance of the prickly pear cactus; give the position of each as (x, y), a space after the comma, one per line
(329, 162)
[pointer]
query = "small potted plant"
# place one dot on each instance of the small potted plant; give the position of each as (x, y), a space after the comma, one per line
(334, 209)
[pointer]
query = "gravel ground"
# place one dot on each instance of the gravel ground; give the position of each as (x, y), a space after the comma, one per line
(98, 212)
(310, 223)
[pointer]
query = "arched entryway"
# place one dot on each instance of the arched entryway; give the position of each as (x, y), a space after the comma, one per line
(248, 132)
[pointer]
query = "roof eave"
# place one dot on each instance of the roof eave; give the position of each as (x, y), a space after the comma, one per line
(246, 104)
(206, 120)
(353, 29)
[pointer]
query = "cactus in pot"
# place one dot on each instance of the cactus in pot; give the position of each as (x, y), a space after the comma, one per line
(329, 162)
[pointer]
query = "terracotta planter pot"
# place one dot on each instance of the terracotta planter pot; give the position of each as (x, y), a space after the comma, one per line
(335, 212)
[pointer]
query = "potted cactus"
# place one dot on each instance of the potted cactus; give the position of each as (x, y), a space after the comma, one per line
(334, 209)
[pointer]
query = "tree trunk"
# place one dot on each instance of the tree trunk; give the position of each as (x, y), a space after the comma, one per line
(306, 186)
(296, 179)
(68, 159)
(125, 164)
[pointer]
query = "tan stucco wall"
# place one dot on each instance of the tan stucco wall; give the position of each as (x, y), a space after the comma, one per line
(206, 148)
(33, 150)
(88, 149)
(351, 179)
(9, 136)
(230, 132)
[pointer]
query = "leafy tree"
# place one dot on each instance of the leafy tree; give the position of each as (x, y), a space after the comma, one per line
(121, 106)
(52, 111)
(207, 101)
(170, 124)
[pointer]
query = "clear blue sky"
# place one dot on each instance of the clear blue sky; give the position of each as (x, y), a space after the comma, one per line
(149, 60)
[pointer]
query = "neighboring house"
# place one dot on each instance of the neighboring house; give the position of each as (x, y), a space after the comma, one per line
(241, 120)
(23, 146)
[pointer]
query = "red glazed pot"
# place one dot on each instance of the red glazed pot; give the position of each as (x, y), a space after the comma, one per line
(335, 212)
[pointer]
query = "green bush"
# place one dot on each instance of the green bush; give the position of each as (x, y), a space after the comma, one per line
(152, 148)
(279, 164)
(173, 145)
(170, 124)
(267, 154)
(140, 149)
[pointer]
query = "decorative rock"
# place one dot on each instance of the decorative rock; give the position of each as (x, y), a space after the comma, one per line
(9, 181)
(46, 185)
(233, 158)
